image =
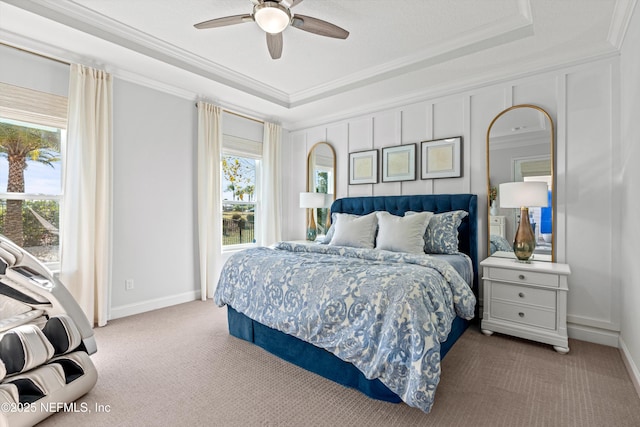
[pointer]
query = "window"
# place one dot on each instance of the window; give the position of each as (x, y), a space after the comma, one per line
(241, 160)
(32, 133)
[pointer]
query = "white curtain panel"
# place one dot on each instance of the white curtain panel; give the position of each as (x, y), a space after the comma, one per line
(85, 230)
(271, 205)
(209, 196)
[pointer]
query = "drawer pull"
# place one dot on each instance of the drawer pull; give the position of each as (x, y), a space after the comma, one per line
(521, 314)
(521, 277)
(521, 294)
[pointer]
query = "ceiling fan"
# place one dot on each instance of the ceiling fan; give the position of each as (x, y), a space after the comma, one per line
(273, 17)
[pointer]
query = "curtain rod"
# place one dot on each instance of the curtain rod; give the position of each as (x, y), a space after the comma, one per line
(36, 54)
(239, 115)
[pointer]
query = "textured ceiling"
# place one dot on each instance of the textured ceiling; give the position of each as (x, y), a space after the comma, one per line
(396, 49)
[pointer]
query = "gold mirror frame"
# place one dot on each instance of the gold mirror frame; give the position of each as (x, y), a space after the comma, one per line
(311, 181)
(553, 175)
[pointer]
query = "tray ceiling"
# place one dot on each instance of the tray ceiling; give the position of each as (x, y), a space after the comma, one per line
(396, 49)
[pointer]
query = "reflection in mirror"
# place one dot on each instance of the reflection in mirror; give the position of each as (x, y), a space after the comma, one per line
(321, 165)
(520, 147)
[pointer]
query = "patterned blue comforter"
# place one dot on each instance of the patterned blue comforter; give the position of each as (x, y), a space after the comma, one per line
(384, 312)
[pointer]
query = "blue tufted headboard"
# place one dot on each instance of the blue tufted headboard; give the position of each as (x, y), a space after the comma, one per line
(437, 203)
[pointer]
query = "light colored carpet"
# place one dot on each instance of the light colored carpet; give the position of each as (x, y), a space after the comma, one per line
(179, 367)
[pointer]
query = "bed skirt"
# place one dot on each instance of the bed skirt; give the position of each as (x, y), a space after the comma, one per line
(318, 360)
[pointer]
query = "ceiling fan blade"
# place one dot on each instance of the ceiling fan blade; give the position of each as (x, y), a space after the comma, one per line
(274, 43)
(318, 26)
(290, 3)
(223, 22)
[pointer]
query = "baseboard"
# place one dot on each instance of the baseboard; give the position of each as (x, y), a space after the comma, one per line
(594, 335)
(154, 304)
(634, 373)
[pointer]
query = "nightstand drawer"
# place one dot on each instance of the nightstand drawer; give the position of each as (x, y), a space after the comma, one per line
(524, 295)
(496, 220)
(518, 276)
(525, 315)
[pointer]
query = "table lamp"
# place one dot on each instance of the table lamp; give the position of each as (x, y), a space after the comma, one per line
(312, 201)
(523, 195)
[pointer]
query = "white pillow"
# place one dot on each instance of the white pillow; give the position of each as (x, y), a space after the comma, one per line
(354, 231)
(402, 234)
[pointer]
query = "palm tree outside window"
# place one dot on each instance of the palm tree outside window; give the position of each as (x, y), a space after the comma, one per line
(30, 186)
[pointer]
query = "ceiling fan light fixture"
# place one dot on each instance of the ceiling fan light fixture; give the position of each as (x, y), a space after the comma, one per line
(271, 17)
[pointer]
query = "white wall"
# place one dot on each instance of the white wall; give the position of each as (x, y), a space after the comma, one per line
(581, 102)
(154, 184)
(154, 199)
(23, 69)
(630, 196)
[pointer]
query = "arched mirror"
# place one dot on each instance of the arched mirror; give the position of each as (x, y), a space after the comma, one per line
(520, 147)
(321, 172)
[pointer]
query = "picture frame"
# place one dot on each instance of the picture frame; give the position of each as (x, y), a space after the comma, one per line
(363, 167)
(441, 158)
(399, 163)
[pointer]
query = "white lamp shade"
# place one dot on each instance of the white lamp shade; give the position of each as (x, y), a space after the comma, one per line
(328, 200)
(519, 194)
(271, 17)
(312, 200)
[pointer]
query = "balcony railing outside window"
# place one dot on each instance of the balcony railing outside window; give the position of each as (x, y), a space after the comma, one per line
(238, 223)
(40, 225)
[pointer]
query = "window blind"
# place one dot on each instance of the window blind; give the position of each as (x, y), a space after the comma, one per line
(232, 145)
(28, 105)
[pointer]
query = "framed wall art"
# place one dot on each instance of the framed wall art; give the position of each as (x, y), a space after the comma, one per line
(399, 163)
(441, 158)
(363, 167)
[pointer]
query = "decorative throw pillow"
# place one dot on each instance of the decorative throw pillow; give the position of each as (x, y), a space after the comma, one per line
(442, 232)
(332, 229)
(402, 234)
(355, 231)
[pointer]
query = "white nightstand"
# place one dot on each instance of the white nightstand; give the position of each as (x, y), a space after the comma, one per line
(526, 300)
(497, 225)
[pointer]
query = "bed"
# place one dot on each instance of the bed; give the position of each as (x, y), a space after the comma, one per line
(392, 370)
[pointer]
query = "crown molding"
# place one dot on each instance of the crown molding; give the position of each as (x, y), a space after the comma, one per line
(505, 76)
(622, 13)
(78, 17)
(485, 37)
(513, 28)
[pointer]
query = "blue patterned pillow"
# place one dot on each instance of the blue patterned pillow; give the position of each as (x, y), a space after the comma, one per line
(499, 244)
(441, 236)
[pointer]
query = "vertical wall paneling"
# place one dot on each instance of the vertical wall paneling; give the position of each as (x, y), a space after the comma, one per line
(448, 119)
(430, 183)
(415, 128)
(295, 227)
(338, 137)
(314, 136)
(582, 102)
(588, 197)
(386, 133)
(360, 139)
(561, 169)
(287, 157)
(541, 92)
(484, 106)
(467, 158)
